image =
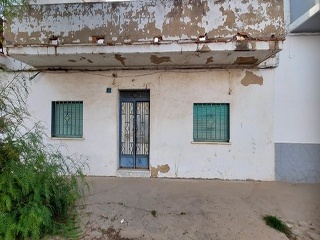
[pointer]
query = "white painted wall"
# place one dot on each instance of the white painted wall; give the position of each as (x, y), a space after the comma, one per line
(297, 111)
(172, 94)
(297, 91)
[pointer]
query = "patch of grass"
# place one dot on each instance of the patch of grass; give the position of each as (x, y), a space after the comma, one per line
(154, 213)
(276, 223)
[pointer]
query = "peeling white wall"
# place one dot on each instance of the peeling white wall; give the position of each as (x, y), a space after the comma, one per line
(140, 21)
(172, 94)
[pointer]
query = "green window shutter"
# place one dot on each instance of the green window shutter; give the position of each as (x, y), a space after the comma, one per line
(211, 122)
(67, 119)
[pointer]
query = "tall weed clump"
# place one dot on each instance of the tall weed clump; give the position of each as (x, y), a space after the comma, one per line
(39, 185)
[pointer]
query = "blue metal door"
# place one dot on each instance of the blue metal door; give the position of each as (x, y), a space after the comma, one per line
(134, 129)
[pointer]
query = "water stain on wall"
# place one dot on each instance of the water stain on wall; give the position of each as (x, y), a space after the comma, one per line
(120, 59)
(251, 78)
(160, 168)
(246, 60)
(209, 60)
(159, 60)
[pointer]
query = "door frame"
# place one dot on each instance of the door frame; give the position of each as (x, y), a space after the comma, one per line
(135, 96)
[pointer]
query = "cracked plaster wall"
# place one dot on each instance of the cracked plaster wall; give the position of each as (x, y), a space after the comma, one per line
(126, 22)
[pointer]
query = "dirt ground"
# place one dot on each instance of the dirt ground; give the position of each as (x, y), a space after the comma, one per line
(146, 208)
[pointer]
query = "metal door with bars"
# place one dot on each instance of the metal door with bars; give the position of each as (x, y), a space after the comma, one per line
(134, 129)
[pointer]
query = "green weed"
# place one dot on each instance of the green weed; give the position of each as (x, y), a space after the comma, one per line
(277, 224)
(154, 213)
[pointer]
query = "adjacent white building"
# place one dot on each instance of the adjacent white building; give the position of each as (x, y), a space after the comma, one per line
(297, 95)
(179, 89)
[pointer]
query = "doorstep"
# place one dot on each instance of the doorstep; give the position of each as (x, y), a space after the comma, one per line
(133, 173)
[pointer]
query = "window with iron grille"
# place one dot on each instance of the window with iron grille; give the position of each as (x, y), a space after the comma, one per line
(67, 119)
(211, 122)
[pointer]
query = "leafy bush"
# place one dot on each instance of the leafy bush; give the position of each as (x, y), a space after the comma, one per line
(9, 7)
(39, 186)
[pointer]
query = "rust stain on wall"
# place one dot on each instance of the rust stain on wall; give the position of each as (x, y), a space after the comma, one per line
(120, 59)
(160, 168)
(246, 60)
(251, 78)
(159, 60)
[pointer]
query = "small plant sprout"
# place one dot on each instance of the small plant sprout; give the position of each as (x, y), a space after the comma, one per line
(276, 223)
(154, 213)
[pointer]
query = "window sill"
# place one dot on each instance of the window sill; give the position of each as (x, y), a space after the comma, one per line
(215, 143)
(66, 138)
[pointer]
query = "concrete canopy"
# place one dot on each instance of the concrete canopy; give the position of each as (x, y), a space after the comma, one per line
(232, 54)
(146, 34)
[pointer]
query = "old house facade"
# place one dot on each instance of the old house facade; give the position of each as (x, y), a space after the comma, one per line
(157, 88)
